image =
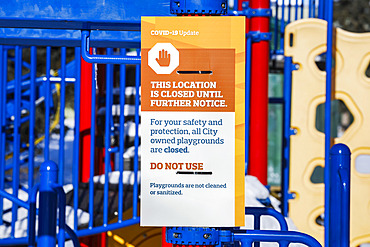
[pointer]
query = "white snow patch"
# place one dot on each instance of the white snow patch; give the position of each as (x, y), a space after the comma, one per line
(67, 188)
(130, 152)
(254, 188)
(128, 177)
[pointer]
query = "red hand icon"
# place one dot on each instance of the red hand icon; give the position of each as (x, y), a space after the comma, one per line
(164, 58)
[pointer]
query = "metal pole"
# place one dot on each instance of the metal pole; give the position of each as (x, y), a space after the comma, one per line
(107, 140)
(321, 9)
(17, 134)
(3, 69)
(288, 63)
(329, 72)
(247, 99)
(47, 92)
(31, 151)
(121, 135)
(76, 141)
(339, 198)
(62, 111)
(47, 205)
(259, 96)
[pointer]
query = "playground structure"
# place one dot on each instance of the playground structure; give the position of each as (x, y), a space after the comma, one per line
(114, 88)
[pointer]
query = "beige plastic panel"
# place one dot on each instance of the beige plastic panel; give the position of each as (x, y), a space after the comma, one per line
(307, 147)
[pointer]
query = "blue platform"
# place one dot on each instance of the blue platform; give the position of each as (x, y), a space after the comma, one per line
(72, 15)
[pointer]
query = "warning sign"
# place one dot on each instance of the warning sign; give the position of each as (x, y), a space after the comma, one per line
(192, 120)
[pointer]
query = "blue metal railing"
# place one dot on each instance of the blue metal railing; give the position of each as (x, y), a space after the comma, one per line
(257, 212)
(109, 58)
(230, 236)
(36, 85)
(283, 237)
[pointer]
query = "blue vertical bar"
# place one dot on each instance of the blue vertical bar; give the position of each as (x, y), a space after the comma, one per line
(92, 146)
(3, 70)
(282, 26)
(302, 8)
(31, 151)
(286, 132)
(108, 116)
(329, 71)
(310, 8)
(76, 141)
(136, 141)
(247, 99)
(296, 10)
(339, 203)
(276, 29)
(321, 9)
(289, 10)
(47, 103)
(121, 135)
(62, 108)
(16, 137)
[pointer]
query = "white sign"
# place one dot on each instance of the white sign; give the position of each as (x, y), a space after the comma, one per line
(192, 122)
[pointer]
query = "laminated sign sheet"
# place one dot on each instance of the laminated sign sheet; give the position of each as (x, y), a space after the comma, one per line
(192, 121)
